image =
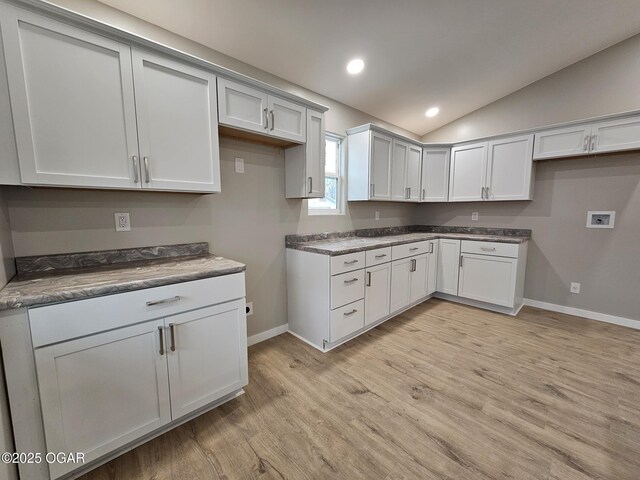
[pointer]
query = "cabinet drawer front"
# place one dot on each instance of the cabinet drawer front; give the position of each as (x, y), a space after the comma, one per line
(490, 248)
(346, 320)
(347, 263)
(347, 288)
(378, 256)
(64, 321)
(409, 249)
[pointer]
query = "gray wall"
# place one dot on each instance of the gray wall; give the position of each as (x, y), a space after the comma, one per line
(604, 83)
(562, 249)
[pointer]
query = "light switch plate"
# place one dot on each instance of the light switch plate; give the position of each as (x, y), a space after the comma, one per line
(239, 165)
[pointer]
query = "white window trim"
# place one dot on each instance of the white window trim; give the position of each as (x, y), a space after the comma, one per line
(340, 210)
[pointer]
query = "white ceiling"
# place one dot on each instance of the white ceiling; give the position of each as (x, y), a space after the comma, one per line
(456, 54)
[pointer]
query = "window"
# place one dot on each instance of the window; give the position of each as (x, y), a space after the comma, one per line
(331, 204)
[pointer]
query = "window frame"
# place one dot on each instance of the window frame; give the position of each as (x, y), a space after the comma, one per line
(340, 194)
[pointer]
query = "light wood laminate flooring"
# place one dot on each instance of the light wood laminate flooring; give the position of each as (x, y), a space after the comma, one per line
(443, 391)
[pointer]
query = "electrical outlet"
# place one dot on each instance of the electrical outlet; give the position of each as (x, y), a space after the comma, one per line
(575, 287)
(123, 224)
(249, 309)
(474, 216)
(239, 165)
(377, 215)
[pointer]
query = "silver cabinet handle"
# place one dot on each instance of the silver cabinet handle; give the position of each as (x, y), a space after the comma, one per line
(461, 259)
(424, 194)
(368, 279)
(585, 147)
(593, 142)
(266, 118)
(408, 193)
(161, 333)
(147, 177)
(350, 262)
(273, 120)
(346, 314)
(172, 330)
(310, 184)
(430, 247)
(136, 170)
(413, 249)
(164, 300)
(486, 193)
(487, 249)
(381, 256)
(482, 193)
(351, 281)
(414, 265)
(372, 190)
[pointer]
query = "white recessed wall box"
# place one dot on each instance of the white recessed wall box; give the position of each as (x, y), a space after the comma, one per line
(601, 219)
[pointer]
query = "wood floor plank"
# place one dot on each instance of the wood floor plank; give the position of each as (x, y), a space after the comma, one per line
(443, 391)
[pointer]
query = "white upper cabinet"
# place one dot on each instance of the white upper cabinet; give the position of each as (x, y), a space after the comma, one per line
(435, 174)
(178, 133)
(242, 107)
(468, 172)
(412, 173)
(255, 110)
(615, 135)
(510, 169)
(72, 101)
(398, 170)
(304, 164)
(380, 167)
(562, 142)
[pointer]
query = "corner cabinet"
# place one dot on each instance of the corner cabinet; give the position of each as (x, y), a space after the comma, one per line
(144, 363)
(435, 174)
(497, 170)
(79, 124)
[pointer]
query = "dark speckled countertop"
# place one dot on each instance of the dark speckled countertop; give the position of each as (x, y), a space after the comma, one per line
(341, 243)
(57, 278)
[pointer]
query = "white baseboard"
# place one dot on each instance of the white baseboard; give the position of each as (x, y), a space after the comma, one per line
(266, 335)
(578, 312)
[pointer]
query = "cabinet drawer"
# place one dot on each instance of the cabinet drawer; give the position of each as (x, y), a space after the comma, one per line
(64, 321)
(347, 288)
(491, 248)
(409, 249)
(378, 256)
(346, 320)
(346, 263)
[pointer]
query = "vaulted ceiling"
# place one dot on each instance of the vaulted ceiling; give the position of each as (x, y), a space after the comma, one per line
(458, 55)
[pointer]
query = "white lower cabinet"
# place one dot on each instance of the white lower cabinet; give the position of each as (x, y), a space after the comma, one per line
(488, 279)
(448, 266)
(105, 390)
(377, 294)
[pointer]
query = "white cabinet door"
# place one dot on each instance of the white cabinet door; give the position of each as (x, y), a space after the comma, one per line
(207, 354)
(509, 169)
(412, 173)
(103, 391)
(315, 154)
(377, 293)
(488, 279)
(400, 284)
(562, 142)
(448, 266)
(468, 170)
(380, 166)
(398, 170)
(435, 175)
(242, 107)
(72, 101)
(177, 125)
(287, 120)
(621, 134)
(419, 283)
(432, 269)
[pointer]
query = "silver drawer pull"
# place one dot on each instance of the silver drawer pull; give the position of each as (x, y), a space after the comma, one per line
(413, 249)
(487, 249)
(346, 314)
(351, 281)
(161, 333)
(350, 262)
(381, 256)
(165, 300)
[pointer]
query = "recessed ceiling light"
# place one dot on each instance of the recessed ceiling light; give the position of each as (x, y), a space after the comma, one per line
(432, 112)
(355, 66)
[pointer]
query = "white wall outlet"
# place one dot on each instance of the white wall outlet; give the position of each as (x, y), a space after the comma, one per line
(249, 309)
(239, 165)
(123, 224)
(474, 216)
(377, 215)
(575, 287)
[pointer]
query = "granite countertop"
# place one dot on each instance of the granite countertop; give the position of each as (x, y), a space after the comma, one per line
(341, 243)
(42, 280)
